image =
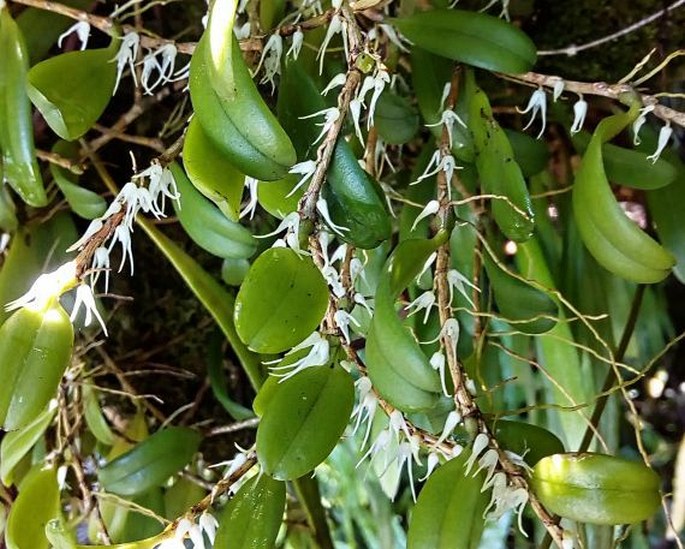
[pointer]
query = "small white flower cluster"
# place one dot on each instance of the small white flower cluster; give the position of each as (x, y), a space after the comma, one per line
(197, 532)
(318, 355)
(665, 133)
(338, 25)
(505, 496)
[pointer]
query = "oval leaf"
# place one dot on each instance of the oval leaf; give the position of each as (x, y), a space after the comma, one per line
(71, 90)
(449, 511)
(527, 440)
(596, 488)
(303, 421)
(252, 518)
(473, 38)
(281, 302)
(149, 463)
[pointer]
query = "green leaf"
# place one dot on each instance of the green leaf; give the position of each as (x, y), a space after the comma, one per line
(273, 195)
(473, 38)
(218, 302)
(35, 349)
(281, 302)
(596, 488)
(71, 90)
(527, 440)
(83, 202)
(37, 503)
(630, 167)
(530, 154)
(17, 444)
(253, 517)
(303, 421)
(395, 119)
(93, 415)
(449, 511)
(206, 225)
(233, 271)
(21, 170)
(149, 463)
(527, 308)
(211, 172)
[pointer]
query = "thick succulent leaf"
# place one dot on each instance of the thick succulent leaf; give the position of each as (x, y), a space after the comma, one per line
(17, 444)
(281, 302)
(83, 202)
(206, 225)
(395, 119)
(252, 518)
(596, 488)
(35, 348)
(527, 440)
(149, 463)
(20, 167)
(630, 167)
(37, 503)
(303, 421)
(71, 90)
(449, 511)
(219, 382)
(211, 172)
(473, 38)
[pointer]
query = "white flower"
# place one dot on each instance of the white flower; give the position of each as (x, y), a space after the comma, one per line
(559, 86)
(365, 409)
(437, 362)
(430, 209)
(337, 81)
(209, 525)
(251, 207)
(453, 419)
(271, 59)
(330, 116)
(431, 463)
(197, 540)
(397, 424)
(296, 46)
(425, 301)
(334, 27)
(342, 320)
(448, 118)
(537, 103)
(394, 37)
(93, 228)
(322, 208)
(47, 287)
(306, 169)
(291, 225)
(122, 235)
(380, 80)
(242, 31)
(404, 457)
(457, 280)
(165, 68)
(380, 443)
(82, 30)
(361, 300)
(579, 112)
(319, 353)
(333, 279)
(100, 263)
(665, 134)
(639, 122)
(355, 111)
(126, 56)
(480, 443)
(85, 298)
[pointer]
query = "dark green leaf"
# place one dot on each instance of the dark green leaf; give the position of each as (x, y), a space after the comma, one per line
(303, 421)
(281, 302)
(395, 119)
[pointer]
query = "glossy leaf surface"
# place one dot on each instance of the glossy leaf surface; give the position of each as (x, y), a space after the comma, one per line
(83, 202)
(395, 119)
(303, 421)
(211, 172)
(72, 90)
(473, 38)
(35, 349)
(206, 225)
(530, 441)
(19, 163)
(449, 511)
(151, 462)
(596, 488)
(37, 503)
(281, 302)
(251, 519)
(17, 444)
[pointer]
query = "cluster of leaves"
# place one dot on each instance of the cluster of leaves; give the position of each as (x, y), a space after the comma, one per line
(409, 273)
